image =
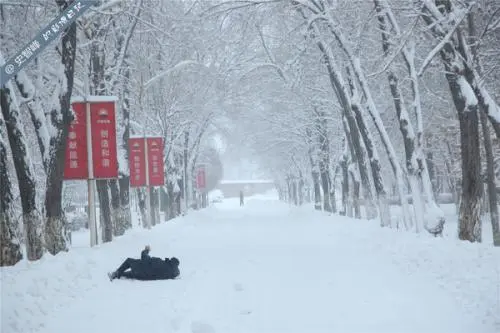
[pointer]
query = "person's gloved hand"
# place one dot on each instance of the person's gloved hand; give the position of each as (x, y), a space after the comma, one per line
(145, 253)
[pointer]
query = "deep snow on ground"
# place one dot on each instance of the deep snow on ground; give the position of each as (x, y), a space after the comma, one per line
(264, 267)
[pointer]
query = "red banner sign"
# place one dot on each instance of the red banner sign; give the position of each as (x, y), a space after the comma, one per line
(201, 178)
(104, 154)
(137, 162)
(76, 160)
(155, 162)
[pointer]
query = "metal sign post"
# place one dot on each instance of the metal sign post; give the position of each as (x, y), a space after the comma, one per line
(34, 47)
(91, 183)
(148, 198)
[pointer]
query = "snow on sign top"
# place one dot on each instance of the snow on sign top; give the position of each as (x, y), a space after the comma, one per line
(94, 99)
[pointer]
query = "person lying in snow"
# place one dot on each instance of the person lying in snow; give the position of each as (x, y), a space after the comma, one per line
(147, 268)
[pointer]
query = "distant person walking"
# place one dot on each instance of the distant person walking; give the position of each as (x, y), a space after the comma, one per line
(242, 201)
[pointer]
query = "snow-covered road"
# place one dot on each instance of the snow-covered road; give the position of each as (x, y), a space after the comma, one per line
(265, 267)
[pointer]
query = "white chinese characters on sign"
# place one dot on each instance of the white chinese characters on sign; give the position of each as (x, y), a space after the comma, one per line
(27, 53)
(155, 163)
(105, 148)
(46, 35)
(137, 167)
(55, 27)
(73, 149)
(78, 6)
(20, 59)
(35, 45)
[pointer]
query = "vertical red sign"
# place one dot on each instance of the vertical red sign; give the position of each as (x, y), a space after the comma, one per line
(201, 178)
(104, 154)
(137, 162)
(76, 160)
(155, 161)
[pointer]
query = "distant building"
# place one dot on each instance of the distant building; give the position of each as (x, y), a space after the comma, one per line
(232, 188)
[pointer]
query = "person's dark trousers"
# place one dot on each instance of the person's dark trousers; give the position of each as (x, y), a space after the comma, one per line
(126, 265)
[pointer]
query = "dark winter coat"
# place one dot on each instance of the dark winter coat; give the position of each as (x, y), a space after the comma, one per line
(153, 268)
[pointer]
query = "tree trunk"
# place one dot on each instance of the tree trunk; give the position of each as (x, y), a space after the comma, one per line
(362, 165)
(56, 229)
(375, 165)
(469, 219)
(10, 249)
(376, 169)
(406, 130)
(280, 193)
(105, 211)
(324, 158)
(345, 183)
(314, 171)
(317, 190)
(295, 196)
(142, 206)
(301, 190)
(169, 201)
(153, 209)
(34, 105)
(356, 184)
(452, 182)
(24, 172)
(123, 220)
(177, 204)
(432, 175)
(333, 199)
(490, 163)
(115, 208)
(289, 189)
